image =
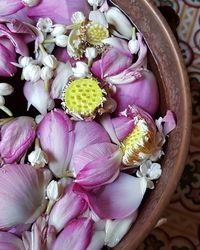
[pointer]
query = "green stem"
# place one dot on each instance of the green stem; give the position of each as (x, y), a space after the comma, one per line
(133, 34)
(46, 85)
(49, 41)
(6, 110)
(22, 77)
(37, 143)
(49, 207)
(90, 62)
(42, 49)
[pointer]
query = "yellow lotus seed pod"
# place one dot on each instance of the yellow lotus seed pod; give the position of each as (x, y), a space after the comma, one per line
(95, 33)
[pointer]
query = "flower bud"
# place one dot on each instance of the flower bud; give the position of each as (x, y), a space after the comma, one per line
(81, 70)
(46, 73)
(2, 100)
(133, 46)
(78, 17)
(50, 61)
(32, 73)
(90, 53)
(6, 89)
(61, 41)
(45, 24)
(59, 29)
(25, 61)
(54, 190)
(38, 158)
(30, 3)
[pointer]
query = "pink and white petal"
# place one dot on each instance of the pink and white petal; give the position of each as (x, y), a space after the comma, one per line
(56, 136)
(166, 124)
(76, 235)
(60, 13)
(37, 96)
(8, 7)
(9, 241)
(67, 208)
(22, 194)
(123, 126)
(16, 137)
(97, 241)
(116, 200)
(103, 170)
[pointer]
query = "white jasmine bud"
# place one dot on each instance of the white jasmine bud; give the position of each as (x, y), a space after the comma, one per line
(2, 100)
(133, 46)
(25, 61)
(95, 2)
(45, 25)
(50, 61)
(81, 70)
(32, 73)
(91, 53)
(6, 89)
(59, 29)
(38, 158)
(30, 3)
(46, 73)
(54, 190)
(78, 17)
(61, 41)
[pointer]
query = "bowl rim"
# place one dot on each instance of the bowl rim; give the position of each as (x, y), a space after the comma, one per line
(187, 119)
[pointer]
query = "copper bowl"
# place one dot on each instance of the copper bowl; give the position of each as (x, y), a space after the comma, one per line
(166, 62)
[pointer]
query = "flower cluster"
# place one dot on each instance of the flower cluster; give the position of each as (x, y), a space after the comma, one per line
(83, 67)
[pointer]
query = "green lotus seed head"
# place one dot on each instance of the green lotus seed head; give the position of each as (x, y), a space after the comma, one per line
(83, 97)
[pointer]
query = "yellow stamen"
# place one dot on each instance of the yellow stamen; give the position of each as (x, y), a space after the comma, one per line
(95, 33)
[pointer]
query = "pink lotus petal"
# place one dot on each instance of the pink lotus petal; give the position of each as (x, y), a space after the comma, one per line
(104, 161)
(7, 56)
(76, 235)
(117, 53)
(19, 229)
(62, 55)
(16, 137)
(116, 200)
(123, 126)
(56, 136)
(167, 123)
(20, 15)
(22, 194)
(60, 13)
(8, 7)
(9, 241)
(143, 93)
(67, 208)
(37, 96)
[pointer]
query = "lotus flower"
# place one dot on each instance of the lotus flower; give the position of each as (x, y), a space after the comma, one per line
(22, 194)
(76, 235)
(14, 36)
(113, 200)
(60, 13)
(142, 92)
(16, 137)
(9, 241)
(56, 136)
(116, 59)
(67, 208)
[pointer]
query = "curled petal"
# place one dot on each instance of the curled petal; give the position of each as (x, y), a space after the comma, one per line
(113, 200)
(142, 92)
(60, 13)
(56, 136)
(16, 137)
(104, 161)
(166, 124)
(22, 194)
(9, 241)
(37, 96)
(67, 208)
(8, 7)
(76, 235)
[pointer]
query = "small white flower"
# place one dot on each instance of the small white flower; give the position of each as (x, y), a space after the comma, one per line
(150, 171)
(2, 100)
(50, 61)
(58, 29)
(95, 2)
(61, 41)
(81, 70)
(45, 25)
(78, 17)
(133, 46)
(32, 73)
(25, 61)
(91, 53)
(6, 89)
(46, 73)
(54, 190)
(38, 158)
(30, 3)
